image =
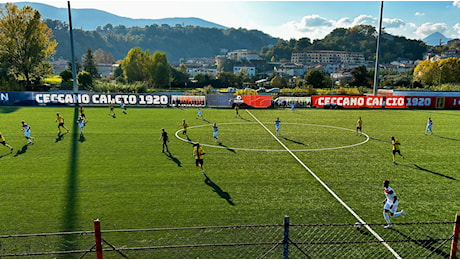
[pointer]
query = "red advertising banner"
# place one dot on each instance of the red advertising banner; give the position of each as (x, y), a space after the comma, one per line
(451, 102)
(420, 102)
(257, 101)
(348, 101)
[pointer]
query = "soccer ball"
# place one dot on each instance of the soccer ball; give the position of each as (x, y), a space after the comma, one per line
(357, 225)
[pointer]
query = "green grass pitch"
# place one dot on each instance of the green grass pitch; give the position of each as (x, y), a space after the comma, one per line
(118, 173)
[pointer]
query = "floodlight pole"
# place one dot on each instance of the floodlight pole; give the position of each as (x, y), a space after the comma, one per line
(74, 68)
(377, 54)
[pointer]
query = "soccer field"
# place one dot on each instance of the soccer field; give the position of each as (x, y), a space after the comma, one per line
(117, 172)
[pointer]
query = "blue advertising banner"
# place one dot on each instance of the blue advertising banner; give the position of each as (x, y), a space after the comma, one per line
(56, 98)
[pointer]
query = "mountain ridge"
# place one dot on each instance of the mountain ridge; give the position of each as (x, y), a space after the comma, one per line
(89, 19)
(435, 39)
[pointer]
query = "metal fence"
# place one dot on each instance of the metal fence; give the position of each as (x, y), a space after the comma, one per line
(431, 240)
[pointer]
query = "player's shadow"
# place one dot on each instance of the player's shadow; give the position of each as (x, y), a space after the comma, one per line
(416, 167)
(242, 118)
(428, 243)
(60, 137)
(3, 155)
(223, 194)
(380, 140)
(226, 147)
(203, 119)
(293, 141)
(82, 138)
(448, 138)
(363, 232)
(23, 150)
(174, 159)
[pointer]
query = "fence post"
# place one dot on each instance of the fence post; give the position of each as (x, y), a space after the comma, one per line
(453, 249)
(98, 236)
(286, 238)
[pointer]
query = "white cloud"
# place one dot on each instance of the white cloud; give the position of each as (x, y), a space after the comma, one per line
(364, 19)
(456, 28)
(429, 28)
(419, 14)
(457, 3)
(393, 23)
(310, 23)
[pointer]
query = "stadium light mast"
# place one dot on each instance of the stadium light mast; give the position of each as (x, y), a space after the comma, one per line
(74, 67)
(377, 54)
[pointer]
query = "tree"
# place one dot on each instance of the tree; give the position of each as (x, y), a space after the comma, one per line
(85, 79)
(316, 78)
(433, 73)
(102, 57)
(360, 77)
(25, 41)
(66, 75)
(136, 65)
(160, 70)
(229, 79)
(278, 82)
(89, 65)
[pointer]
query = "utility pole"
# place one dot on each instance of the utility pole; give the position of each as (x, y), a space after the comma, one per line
(377, 54)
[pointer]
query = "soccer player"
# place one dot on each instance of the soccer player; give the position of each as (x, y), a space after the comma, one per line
(111, 111)
(198, 152)
(60, 120)
(185, 126)
(165, 138)
(123, 108)
(26, 130)
(395, 143)
(215, 132)
(81, 124)
(237, 109)
(429, 126)
(359, 126)
(82, 112)
(293, 106)
(3, 141)
(277, 126)
(391, 203)
(199, 113)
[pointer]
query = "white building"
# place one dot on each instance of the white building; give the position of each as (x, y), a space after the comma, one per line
(240, 55)
(250, 70)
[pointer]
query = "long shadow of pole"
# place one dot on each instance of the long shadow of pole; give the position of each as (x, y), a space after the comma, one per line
(70, 203)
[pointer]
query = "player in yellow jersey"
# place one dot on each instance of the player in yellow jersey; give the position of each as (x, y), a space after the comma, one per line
(111, 112)
(237, 111)
(3, 141)
(359, 126)
(82, 112)
(60, 120)
(395, 143)
(185, 126)
(198, 152)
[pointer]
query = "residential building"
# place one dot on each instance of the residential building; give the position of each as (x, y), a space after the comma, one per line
(290, 69)
(194, 69)
(251, 70)
(243, 54)
(328, 57)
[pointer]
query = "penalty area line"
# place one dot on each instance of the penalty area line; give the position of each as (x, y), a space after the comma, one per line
(328, 189)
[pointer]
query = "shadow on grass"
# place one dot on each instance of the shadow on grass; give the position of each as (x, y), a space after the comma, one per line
(448, 138)
(70, 214)
(242, 118)
(429, 244)
(3, 155)
(416, 167)
(226, 147)
(293, 141)
(376, 139)
(174, 159)
(7, 109)
(202, 119)
(23, 150)
(82, 138)
(223, 194)
(60, 137)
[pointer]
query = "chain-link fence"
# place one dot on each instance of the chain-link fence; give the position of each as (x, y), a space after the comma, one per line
(408, 240)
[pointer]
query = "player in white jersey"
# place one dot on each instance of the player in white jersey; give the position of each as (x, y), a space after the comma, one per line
(26, 129)
(429, 126)
(81, 124)
(215, 132)
(390, 204)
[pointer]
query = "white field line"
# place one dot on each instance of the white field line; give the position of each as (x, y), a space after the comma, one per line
(329, 190)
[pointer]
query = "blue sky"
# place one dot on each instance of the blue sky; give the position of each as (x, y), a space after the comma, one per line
(295, 19)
